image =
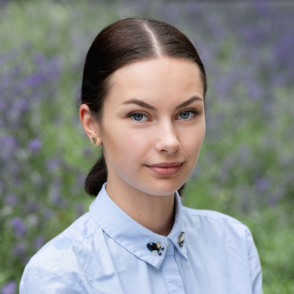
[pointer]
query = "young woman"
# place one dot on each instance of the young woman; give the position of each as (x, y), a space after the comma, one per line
(143, 102)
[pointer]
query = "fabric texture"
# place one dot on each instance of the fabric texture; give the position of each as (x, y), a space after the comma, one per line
(105, 251)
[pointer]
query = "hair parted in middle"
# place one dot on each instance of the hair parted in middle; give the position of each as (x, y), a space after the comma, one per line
(122, 43)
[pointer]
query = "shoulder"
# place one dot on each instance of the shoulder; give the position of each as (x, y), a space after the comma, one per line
(218, 223)
(77, 233)
(59, 254)
(218, 231)
(209, 215)
(221, 236)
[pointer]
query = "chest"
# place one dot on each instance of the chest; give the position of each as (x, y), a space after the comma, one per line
(119, 271)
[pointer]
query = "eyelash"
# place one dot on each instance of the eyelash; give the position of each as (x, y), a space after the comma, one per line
(189, 111)
(131, 115)
(135, 113)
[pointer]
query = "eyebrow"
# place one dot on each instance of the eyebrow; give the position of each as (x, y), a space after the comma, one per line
(189, 101)
(140, 103)
(148, 106)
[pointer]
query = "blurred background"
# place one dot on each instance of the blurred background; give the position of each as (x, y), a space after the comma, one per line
(246, 164)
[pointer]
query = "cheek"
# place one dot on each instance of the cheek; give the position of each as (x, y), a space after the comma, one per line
(125, 144)
(191, 141)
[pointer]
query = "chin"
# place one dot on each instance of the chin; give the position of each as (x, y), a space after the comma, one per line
(163, 188)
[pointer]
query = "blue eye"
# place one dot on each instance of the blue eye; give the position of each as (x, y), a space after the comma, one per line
(186, 114)
(139, 117)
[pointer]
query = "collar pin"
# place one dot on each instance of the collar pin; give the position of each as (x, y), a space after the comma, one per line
(155, 248)
(181, 239)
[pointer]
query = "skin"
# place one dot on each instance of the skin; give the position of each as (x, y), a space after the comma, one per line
(136, 137)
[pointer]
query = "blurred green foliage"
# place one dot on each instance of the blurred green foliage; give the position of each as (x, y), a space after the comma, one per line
(246, 164)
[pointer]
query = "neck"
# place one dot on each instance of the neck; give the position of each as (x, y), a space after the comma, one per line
(155, 213)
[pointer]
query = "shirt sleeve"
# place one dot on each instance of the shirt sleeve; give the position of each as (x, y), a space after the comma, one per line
(254, 263)
(37, 280)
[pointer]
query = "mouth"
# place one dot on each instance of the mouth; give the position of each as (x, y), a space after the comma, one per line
(166, 168)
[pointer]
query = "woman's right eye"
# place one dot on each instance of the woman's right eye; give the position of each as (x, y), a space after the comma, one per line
(139, 116)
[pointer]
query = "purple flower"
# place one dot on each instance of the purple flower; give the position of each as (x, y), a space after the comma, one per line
(23, 105)
(19, 249)
(172, 12)
(81, 179)
(255, 92)
(8, 142)
(80, 209)
(35, 145)
(9, 288)
(283, 49)
(8, 145)
(53, 164)
(39, 242)
(33, 206)
(33, 80)
(39, 59)
(55, 196)
(87, 151)
(18, 226)
(262, 184)
(276, 195)
(11, 199)
(47, 213)
(263, 7)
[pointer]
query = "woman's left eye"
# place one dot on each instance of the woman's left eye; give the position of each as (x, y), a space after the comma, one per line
(186, 114)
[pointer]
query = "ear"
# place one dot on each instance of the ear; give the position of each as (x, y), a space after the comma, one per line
(90, 125)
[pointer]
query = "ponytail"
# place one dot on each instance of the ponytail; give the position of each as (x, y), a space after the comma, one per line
(96, 177)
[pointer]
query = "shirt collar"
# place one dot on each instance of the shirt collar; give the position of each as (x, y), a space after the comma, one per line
(130, 234)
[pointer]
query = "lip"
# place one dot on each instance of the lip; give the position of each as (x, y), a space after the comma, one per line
(166, 168)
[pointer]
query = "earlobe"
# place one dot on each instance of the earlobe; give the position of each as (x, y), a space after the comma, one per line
(90, 125)
(94, 140)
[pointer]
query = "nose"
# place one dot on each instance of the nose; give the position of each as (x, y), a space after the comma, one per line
(167, 140)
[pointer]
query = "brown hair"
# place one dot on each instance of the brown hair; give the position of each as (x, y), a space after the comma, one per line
(119, 44)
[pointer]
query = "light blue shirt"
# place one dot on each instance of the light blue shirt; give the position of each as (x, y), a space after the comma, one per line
(105, 251)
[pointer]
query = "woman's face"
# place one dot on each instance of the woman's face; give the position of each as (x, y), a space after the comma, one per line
(153, 125)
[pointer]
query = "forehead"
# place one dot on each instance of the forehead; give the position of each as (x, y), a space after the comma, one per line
(152, 79)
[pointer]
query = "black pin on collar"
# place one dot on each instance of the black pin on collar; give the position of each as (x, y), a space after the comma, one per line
(181, 239)
(155, 248)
